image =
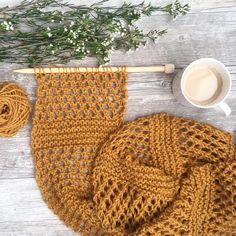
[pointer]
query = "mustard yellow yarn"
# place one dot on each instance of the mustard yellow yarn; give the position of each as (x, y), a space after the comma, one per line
(14, 109)
(157, 175)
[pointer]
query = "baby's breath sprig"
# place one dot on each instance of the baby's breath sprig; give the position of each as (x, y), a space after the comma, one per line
(52, 31)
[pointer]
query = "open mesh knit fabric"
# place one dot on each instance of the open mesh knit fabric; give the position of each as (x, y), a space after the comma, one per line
(157, 175)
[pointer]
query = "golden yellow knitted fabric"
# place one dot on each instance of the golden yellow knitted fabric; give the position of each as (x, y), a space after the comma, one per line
(74, 113)
(157, 175)
(163, 175)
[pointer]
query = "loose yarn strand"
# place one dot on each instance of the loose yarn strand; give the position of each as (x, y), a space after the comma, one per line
(14, 109)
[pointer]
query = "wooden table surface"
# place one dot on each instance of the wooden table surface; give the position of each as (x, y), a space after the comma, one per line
(209, 30)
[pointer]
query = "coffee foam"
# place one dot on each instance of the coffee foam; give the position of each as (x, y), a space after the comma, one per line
(202, 85)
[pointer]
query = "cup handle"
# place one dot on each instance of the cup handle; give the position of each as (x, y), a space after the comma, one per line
(225, 108)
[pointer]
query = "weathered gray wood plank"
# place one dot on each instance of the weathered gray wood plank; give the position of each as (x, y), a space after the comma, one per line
(23, 213)
(209, 30)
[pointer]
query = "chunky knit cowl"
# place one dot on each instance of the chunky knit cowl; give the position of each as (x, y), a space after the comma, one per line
(157, 175)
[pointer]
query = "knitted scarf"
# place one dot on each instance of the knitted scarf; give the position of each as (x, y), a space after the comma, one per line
(157, 175)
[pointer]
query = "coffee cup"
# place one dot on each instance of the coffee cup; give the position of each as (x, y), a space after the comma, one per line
(205, 83)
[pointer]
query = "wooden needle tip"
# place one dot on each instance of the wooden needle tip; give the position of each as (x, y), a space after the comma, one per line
(23, 71)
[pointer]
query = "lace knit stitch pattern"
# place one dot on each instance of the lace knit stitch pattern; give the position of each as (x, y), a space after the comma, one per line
(74, 113)
(164, 175)
(157, 175)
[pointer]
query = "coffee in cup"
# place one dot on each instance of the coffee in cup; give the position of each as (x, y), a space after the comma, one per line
(205, 83)
(202, 84)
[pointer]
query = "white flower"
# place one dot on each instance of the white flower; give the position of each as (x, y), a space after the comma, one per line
(52, 52)
(118, 24)
(65, 29)
(113, 35)
(7, 25)
(105, 43)
(48, 28)
(49, 35)
(70, 41)
(129, 51)
(72, 23)
(74, 35)
(52, 20)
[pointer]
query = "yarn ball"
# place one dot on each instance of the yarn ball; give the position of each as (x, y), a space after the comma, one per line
(14, 109)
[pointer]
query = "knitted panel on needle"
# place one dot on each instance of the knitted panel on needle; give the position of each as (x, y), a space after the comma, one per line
(157, 175)
(74, 114)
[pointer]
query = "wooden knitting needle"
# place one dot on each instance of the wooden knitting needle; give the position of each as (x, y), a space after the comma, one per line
(167, 68)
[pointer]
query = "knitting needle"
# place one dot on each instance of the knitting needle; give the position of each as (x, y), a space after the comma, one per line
(167, 68)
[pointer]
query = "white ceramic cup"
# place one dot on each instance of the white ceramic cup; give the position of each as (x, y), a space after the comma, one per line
(180, 95)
